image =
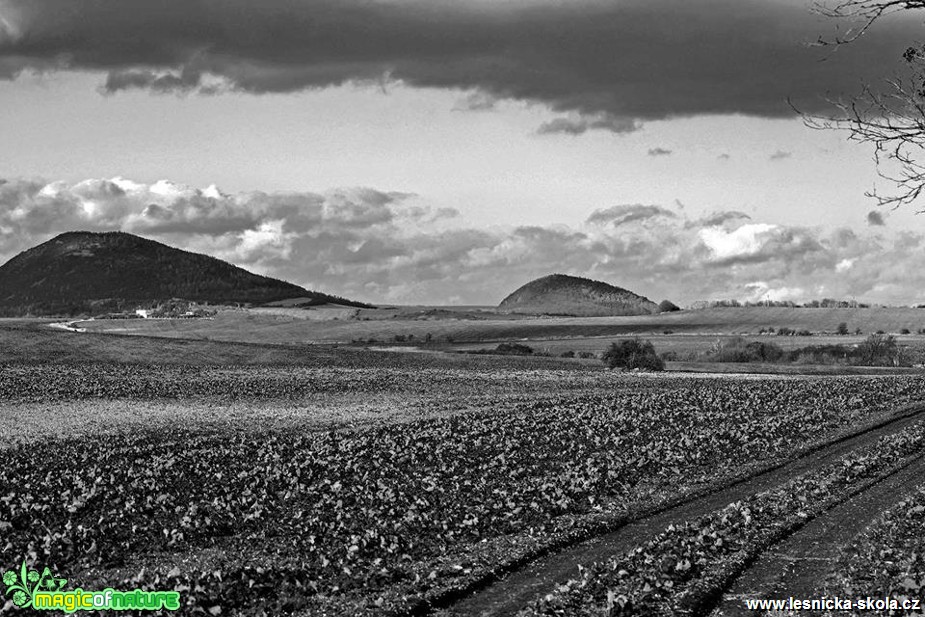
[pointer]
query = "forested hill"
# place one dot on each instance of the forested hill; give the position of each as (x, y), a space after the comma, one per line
(83, 272)
(560, 294)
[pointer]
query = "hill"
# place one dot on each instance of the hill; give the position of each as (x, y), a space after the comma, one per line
(82, 272)
(560, 294)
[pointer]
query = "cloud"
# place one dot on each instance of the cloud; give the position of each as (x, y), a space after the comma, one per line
(780, 155)
(635, 59)
(387, 246)
(476, 101)
(581, 125)
(717, 219)
(622, 215)
(660, 152)
(745, 241)
(844, 265)
(875, 219)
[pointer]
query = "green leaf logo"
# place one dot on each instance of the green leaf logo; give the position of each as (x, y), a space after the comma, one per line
(26, 582)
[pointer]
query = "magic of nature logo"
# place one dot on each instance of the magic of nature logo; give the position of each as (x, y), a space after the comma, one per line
(45, 592)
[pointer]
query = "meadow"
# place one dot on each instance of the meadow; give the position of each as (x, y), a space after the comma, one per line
(414, 324)
(685, 338)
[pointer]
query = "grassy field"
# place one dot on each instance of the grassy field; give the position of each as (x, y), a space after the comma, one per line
(687, 334)
(683, 344)
(34, 341)
(290, 326)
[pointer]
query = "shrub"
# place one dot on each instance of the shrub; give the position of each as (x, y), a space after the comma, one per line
(514, 349)
(878, 350)
(667, 306)
(567, 354)
(842, 329)
(669, 356)
(785, 332)
(737, 349)
(820, 354)
(586, 355)
(804, 333)
(633, 354)
(905, 331)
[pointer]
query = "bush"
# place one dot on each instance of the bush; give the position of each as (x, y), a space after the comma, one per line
(878, 350)
(667, 306)
(905, 331)
(820, 354)
(737, 349)
(567, 354)
(514, 349)
(633, 354)
(586, 355)
(842, 329)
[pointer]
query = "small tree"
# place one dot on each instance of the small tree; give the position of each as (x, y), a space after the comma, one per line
(667, 306)
(632, 354)
(878, 350)
(514, 349)
(842, 329)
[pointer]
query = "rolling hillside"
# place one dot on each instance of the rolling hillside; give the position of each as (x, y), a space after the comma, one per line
(82, 272)
(560, 294)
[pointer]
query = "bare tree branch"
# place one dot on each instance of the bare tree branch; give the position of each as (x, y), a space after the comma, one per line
(891, 118)
(865, 12)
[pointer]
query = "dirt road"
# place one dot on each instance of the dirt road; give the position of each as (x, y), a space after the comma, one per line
(519, 587)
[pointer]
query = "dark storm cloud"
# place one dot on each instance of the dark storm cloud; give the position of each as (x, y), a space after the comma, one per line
(609, 63)
(875, 218)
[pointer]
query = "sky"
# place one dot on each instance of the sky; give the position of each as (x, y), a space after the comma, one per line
(447, 152)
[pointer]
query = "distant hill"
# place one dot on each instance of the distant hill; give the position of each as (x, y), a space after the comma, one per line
(560, 294)
(82, 272)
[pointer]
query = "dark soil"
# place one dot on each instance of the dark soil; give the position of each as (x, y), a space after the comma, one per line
(538, 578)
